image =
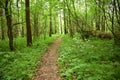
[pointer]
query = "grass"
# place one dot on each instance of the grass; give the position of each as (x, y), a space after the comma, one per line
(21, 63)
(94, 59)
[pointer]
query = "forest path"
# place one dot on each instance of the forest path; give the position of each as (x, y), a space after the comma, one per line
(49, 69)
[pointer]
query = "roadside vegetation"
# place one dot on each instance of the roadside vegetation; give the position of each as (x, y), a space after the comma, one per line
(21, 63)
(94, 59)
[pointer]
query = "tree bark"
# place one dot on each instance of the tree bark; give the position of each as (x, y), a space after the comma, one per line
(65, 26)
(97, 15)
(2, 28)
(28, 26)
(8, 15)
(36, 18)
(117, 27)
(61, 30)
(55, 23)
(103, 17)
(51, 31)
(36, 30)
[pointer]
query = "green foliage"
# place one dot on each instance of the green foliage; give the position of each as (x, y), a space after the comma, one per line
(4, 45)
(94, 59)
(22, 63)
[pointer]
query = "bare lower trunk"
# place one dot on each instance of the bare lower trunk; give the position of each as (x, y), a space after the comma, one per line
(28, 26)
(50, 32)
(9, 24)
(2, 29)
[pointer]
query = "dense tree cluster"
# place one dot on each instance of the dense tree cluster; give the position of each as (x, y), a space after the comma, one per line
(47, 17)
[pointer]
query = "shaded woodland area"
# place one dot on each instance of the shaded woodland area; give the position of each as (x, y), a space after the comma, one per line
(27, 27)
(97, 18)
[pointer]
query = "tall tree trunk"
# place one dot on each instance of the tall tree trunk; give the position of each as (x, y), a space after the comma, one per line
(36, 17)
(45, 25)
(55, 23)
(51, 31)
(97, 15)
(1, 11)
(103, 17)
(65, 26)
(28, 26)
(86, 13)
(61, 31)
(103, 24)
(16, 20)
(22, 19)
(70, 26)
(117, 27)
(17, 3)
(36, 30)
(22, 32)
(2, 28)
(69, 18)
(8, 14)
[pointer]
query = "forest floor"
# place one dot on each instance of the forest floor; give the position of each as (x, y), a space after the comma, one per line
(48, 69)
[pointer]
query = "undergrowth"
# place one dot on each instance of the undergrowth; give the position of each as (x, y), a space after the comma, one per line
(21, 63)
(94, 59)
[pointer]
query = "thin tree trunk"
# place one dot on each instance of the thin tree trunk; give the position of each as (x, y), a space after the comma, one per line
(97, 15)
(86, 14)
(65, 27)
(1, 11)
(50, 32)
(45, 25)
(55, 23)
(2, 28)
(70, 27)
(22, 32)
(8, 14)
(28, 26)
(103, 24)
(117, 27)
(36, 30)
(61, 23)
(16, 29)
(103, 17)
(22, 18)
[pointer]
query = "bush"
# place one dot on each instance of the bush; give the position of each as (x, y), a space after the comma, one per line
(90, 60)
(21, 64)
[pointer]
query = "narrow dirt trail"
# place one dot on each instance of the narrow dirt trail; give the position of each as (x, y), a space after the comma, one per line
(49, 68)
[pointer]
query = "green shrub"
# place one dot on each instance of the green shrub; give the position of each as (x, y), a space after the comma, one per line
(21, 64)
(90, 60)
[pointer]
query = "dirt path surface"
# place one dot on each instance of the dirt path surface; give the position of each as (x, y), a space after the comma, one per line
(49, 68)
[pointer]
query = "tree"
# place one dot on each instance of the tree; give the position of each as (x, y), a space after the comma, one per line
(2, 28)
(116, 8)
(65, 25)
(8, 14)
(28, 26)
(51, 30)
